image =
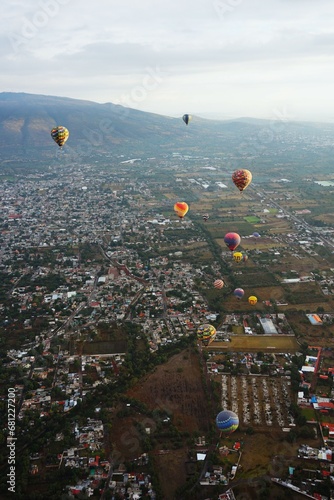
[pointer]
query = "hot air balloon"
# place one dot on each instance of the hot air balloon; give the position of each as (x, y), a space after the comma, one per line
(256, 235)
(232, 240)
(245, 258)
(205, 217)
(206, 333)
(227, 421)
(239, 293)
(181, 208)
(237, 256)
(186, 118)
(60, 135)
(252, 300)
(218, 283)
(242, 178)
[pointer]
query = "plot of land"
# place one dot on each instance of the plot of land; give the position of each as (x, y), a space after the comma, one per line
(258, 401)
(177, 388)
(255, 343)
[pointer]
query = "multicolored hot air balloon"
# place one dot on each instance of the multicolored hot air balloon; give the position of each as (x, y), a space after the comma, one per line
(237, 256)
(232, 240)
(206, 333)
(239, 293)
(181, 208)
(245, 258)
(227, 421)
(218, 284)
(60, 135)
(205, 217)
(186, 118)
(242, 178)
(252, 300)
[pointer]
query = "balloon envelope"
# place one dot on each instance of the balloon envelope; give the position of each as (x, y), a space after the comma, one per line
(237, 256)
(256, 235)
(252, 300)
(218, 284)
(205, 217)
(60, 135)
(181, 208)
(239, 293)
(232, 240)
(186, 118)
(206, 333)
(242, 178)
(227, 421)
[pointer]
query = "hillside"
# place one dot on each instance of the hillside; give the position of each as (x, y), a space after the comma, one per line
(26, 121)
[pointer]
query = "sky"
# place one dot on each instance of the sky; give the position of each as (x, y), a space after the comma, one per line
(212, 58)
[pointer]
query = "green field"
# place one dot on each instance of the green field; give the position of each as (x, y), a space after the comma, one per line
(255, 343)
(252, 219)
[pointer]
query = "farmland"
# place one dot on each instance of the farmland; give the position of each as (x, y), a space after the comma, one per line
(255, 343)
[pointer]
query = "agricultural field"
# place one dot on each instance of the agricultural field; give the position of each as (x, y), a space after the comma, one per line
(255, 343)
(259, 401)
(175, 388)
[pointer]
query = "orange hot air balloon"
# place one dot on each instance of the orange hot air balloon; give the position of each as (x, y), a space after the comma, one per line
(181, 208)
(218, 284)
(252, 300)
(242, 178)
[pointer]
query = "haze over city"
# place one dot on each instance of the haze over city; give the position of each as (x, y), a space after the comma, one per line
(219, 59)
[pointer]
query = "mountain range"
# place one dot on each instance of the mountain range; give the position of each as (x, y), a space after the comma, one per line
(27, 119)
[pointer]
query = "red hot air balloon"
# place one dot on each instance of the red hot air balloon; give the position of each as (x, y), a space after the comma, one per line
(232, 240)
(242, 178)
(218, 284)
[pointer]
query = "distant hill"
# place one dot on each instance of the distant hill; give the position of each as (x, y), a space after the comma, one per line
(26, 121)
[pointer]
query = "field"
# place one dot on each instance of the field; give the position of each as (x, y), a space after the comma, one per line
(176, 388)
(252, 219)
(260, 401)
(255, 343)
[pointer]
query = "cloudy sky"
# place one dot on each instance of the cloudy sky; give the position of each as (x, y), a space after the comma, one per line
(213, 58)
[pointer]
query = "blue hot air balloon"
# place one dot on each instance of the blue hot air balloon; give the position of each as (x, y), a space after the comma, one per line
(227, 421)
(239, 293)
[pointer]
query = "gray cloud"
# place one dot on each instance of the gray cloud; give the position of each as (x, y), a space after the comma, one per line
(235, 56)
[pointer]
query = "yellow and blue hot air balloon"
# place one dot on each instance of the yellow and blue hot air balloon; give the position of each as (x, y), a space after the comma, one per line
(206, 333)
(227, 421)
(60, 135)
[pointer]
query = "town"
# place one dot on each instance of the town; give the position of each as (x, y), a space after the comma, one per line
(101, 284)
